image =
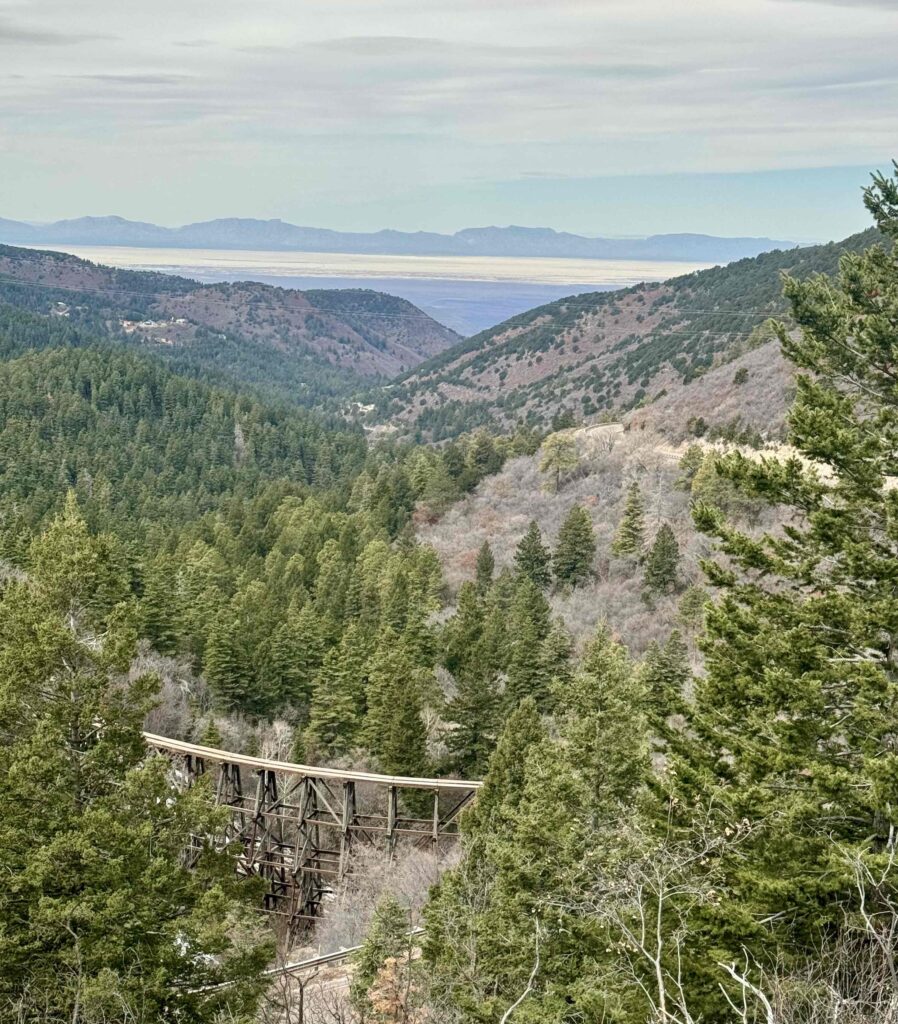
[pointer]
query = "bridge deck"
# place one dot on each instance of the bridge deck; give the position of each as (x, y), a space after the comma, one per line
(303, 770)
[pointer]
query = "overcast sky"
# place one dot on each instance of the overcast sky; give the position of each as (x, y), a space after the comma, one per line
(596, 116)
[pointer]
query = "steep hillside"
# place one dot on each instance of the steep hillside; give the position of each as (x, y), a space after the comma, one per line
(610, 459)
(299, 343)
(607, 351)
(749, 393)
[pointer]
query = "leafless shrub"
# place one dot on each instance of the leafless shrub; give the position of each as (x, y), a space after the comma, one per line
(183, 696)
(275, 740)
(718, 399)
(645, 899)
(408, 876)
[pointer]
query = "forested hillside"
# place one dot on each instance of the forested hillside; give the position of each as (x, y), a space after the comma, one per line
(139, 445)
(298, 345)
(179, 554)
(251, 536)
(607, 352)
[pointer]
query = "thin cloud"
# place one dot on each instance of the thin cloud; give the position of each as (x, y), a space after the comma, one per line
(133, 79)
(386, 46)
(13, 33)
(885, 5)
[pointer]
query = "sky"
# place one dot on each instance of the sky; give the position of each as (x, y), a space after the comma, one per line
(603, 117)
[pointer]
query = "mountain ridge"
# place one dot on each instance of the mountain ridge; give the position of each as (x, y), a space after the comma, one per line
(609, 353)
(275, 234)
(285, 339)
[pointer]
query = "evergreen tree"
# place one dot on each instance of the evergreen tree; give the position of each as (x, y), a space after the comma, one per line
(483, 458)
(306, 641)
(475, 712)
(575, 551)
(440, 491)
(563, 420)
(532, 558)
(662, 562)
(458, 913)
(486, 565)
(393, 728)
(225, 665)
(795, 718)
(665, 675)
(101, 917)
(529, 626)
(269, 659)
(418, 638)
(493, 651)
(333, 718)
(559, 458)
(387, 936)
(158, 605)
(604, 725)
(712, 486)
(210, 736)
(395, 603)
(331, 585)
(338, 703)
(629, 538)
(691, 609)
(692, 461)
(547, 819)
(79, 572)
(286, 662)
(462, 634)
(557, 650)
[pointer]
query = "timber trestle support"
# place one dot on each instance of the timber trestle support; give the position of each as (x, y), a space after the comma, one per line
(296, 825)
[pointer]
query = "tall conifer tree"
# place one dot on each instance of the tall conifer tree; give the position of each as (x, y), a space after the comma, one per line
(795, 718)
(528, 674)
(393, 728)
(575, 551)
(532, 558)
(534, 832)
(486, 565)
(630, 536)
(662, 562)
(665, 675)
(475, 711)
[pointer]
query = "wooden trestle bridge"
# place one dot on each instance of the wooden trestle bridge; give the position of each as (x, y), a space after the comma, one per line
(294, 825)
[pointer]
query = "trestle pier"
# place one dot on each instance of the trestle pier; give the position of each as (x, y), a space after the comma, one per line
(296, 825)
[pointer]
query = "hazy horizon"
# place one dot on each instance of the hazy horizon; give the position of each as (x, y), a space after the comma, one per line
(370, 266)
(174, 225)
(832, 192)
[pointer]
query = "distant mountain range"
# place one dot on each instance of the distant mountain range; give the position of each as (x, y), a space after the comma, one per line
(245, 233)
